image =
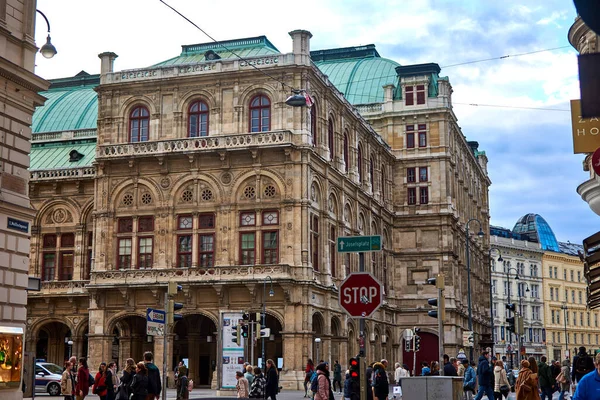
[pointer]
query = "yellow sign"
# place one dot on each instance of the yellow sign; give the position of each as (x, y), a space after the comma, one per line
(586, 132)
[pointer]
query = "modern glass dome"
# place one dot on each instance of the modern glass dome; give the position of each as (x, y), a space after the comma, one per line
(535, 229)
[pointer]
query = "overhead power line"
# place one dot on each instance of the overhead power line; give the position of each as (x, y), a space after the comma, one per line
(505, 56)
(513, 107)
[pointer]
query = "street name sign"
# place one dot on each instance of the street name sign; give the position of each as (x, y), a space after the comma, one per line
(155, 322)
(360, 294)
(358, 244)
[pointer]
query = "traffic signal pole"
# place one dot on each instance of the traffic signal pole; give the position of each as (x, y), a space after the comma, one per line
(165, 342)
(363, 363)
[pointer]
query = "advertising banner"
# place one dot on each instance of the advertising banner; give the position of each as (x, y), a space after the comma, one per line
(232, 354)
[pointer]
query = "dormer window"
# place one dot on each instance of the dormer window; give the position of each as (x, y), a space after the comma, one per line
(411, 91)
(75, 156)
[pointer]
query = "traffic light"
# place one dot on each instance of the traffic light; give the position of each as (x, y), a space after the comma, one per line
(172, 290)
(417, 342)
(236, 333)
(407, 346)
(246, 316)
(438, 281)
(511, 307)
(245, 329)
(511, 324)
(519, 326)
(438, 302)
(433, 302)
(354, 368)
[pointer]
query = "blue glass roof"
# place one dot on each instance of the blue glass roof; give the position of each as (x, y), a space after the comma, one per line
(536, 229)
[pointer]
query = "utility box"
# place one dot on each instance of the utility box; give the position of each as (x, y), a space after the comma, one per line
(432, 388)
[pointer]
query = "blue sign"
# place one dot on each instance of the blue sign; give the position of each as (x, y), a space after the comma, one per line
(153, 315)
(18, 225)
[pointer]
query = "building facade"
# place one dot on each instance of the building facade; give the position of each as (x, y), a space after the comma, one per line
(195, 170)
(517, 279)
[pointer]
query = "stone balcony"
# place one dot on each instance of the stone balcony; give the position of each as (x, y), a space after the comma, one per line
(60, 287)
(590, 193)
(63, 173)
(198, 144)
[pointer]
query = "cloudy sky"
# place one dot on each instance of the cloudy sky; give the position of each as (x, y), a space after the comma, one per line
(531, 161)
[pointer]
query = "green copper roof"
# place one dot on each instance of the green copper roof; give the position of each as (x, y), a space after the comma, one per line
(72, 105)
(196, 53)
(358, 72)
(56, 155)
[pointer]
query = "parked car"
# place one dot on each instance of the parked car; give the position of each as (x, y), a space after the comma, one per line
(47, 378)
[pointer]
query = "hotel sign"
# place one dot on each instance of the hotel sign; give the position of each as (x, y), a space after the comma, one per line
(586, 132)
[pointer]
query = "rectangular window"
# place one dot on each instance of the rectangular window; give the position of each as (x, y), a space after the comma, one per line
(248, 219)
(248, 248)
(412, 196)
(572, 276)
(67, 240)
(206, 255)
(145, 245)
(535, 291)
(145, 224)
(270, 218)
(494, 286)
(270, 247)
(557, 317)
(581, 318)
(573, 295)
(552, 312)
(424, 195)
(206, 221)
(555, 272)
(420, 94)
(49, 241)
(410, 136)
(580, 297)
(184, 251)
(506, 288)
(596, 320)
(125, 225)
(565, 274)
(423, 174)
(48, 266)
(422, 135)
(410, 175)
(495, 310)
(551, 293)
(535, 312)
(66, 266)
(410, 96)
(578, 276)
(184, 222)
(124, 261)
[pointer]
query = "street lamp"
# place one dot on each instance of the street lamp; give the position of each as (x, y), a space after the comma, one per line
(508, 302)
(317, 341)
(480, 234)
(48, 50)
(521, 293)
(500, 259)
(565, 308)
(264, 313)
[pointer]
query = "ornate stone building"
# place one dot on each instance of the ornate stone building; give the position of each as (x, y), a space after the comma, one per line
(196, 170)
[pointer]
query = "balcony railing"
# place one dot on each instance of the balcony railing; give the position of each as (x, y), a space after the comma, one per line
(182, 275)
(64, 135)
(53, 174)
(187, 145)
(61, 287)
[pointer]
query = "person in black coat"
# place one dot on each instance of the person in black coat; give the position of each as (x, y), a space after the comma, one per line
(272, 386)
(449, 369)
(139, 384)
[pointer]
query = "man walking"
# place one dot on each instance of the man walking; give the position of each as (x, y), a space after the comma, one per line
(154, 383)
(449, 369)
(546, 379)
(583, 364)
(484, 375)
(589, 385)
(337, 376)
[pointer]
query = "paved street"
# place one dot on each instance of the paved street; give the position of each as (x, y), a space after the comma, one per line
(207, 394)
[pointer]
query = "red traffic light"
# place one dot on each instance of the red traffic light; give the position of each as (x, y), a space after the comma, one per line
(354, 374)
(353, 362)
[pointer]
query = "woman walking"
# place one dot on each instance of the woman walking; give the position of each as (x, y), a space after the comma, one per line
(308, 372)
(324, 384)
(99, 386)
(242, 386)
(82, 388)
(526, 386)
(257, 389)
(501, 385)
(272, 386)
(139, 384)
(182, 383)
(565, 380)
(67, 382)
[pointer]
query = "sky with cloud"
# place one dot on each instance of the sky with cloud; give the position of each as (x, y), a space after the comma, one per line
(531, 161)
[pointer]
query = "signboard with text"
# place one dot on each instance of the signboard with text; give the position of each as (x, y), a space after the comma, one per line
(360, 294)
(586, 132)
(232, 354)
(155, 322)
(358, 244)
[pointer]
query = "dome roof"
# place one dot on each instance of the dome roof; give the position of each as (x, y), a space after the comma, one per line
(535, 229)
(72, 105)
(358, 72)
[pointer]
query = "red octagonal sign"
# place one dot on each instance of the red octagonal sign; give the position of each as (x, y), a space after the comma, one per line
(360, 294)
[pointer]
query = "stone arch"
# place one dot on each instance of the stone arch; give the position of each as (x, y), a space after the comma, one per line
(316, 194)
(180, 186)
(253, 90)
(278, 316)
(128, 104)
(52, 204)
(192, 95)
(348, 216)
(318, 323)
(119, 190)
(112, 321)
(238, 185)
(80, 328)
(86, 211)
(336, 326)
(361, 223)
(37, 325)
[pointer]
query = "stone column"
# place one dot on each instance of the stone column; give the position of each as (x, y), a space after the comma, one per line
(194, 356)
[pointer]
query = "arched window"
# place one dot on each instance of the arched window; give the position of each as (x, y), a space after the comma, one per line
(372, 175)
(198, 119)
(330, 139)
(139, 124)
(313, 124)
(260, 114)
(359, 164)
(346, 152)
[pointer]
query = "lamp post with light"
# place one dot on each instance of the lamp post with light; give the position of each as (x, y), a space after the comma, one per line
(565, 308)
(522, 294)
(500, 259)
(264, 314)
(507, 270)
(480, 234)
(48, 50)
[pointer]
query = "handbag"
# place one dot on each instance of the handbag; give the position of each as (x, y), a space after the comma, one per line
(561, 378)
(122, 393)
(505, 390)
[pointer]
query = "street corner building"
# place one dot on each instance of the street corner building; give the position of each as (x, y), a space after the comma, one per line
(195, 170)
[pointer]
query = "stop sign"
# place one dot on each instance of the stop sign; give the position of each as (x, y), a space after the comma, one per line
(360, 294)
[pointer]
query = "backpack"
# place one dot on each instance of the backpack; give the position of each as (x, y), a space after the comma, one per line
(91, 380)
(314, 382)
(190, 385)
(581, 366)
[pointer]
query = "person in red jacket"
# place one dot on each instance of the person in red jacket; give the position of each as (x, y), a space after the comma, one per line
(99, 387)
(82, 387)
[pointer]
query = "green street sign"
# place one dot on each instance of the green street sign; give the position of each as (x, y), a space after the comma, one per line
(358, 244)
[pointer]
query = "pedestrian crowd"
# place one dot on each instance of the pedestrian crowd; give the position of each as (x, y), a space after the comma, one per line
(253, 384)
(139, 381)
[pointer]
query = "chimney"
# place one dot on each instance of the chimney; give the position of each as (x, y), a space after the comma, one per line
(301, 46)
(106, 64)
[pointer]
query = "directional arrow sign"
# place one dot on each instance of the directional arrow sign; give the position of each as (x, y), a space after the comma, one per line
(358, 244)
(155, 322)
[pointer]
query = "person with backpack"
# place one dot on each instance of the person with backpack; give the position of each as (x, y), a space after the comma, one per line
(182, 383)
(589, 386)
(323, 383)
(139, 384)
(564, 379)
(381, 386)
(546, 379)
(127, 374)
(153, 374)
(308, 375)
(484, 376)
(257, 389)
(469, 380)
(582, 365)
(82, 387)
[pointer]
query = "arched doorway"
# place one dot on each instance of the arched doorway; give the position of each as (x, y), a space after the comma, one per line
(336, 340)
(52, 342)
(318, 331)
(129, 339)
(195, 343)
(428, 351)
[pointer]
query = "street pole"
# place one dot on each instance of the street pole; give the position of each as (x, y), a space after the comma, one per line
(509, 333)
(491, 294)
(165, 332)
(564, 307)
(252, 340)
(363, 364)
(264, 314)
(469, 278)
(441, 315)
